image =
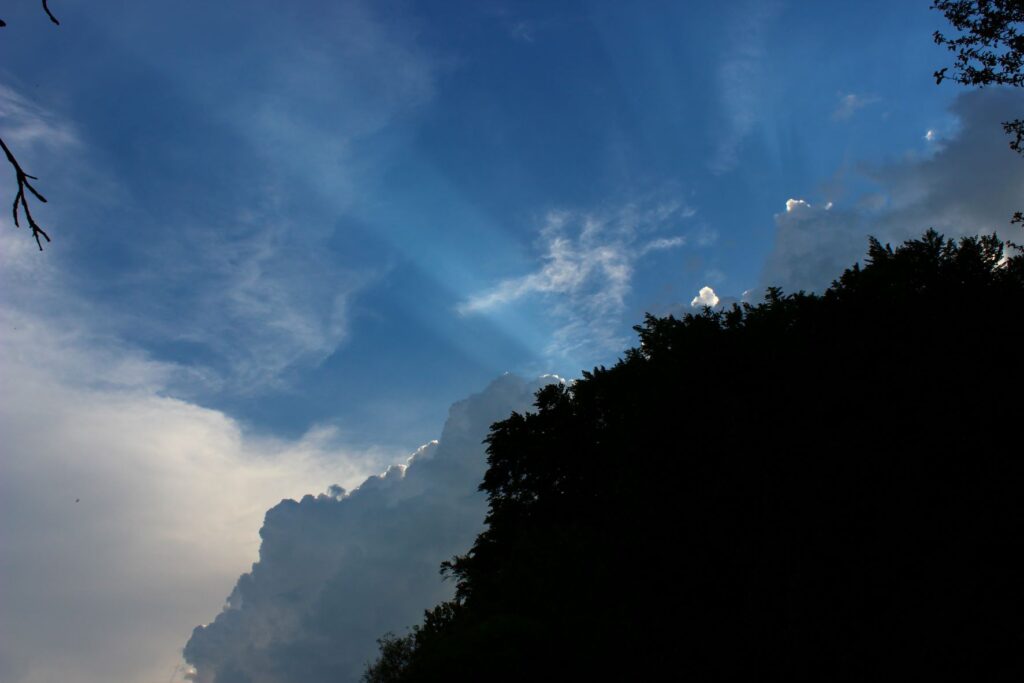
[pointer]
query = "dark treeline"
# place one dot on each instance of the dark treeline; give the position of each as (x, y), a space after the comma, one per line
(817, 487)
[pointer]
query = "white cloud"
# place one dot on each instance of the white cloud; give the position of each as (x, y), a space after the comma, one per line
(25, 123)
(706, 297)
(740, 81)
(586, 272)
(267, 292)
(263, 307)
(972, 184)
(662, 243)
(240, 267)
(336, 572)
(169, 497)
(849, 104)
(796, 205)
(170, 494)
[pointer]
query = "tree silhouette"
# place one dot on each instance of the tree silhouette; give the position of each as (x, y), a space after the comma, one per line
(818, 487)
(22, 178)
(988, 51)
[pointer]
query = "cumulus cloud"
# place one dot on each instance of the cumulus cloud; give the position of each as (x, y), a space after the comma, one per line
(337, 571)
(971, 184)
(170, 496)
(586, 272)
(126, 513)
(706, 297)
(796, 205)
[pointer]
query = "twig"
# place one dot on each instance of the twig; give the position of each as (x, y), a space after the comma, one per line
(24, 178)
(46, 8)
(49, 13)
(20, 198)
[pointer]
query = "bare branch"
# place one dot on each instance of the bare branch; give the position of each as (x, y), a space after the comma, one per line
(23, 179)
(46, 9)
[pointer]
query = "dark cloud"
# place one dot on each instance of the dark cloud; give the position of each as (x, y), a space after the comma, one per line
(971, 183)
(337, 571)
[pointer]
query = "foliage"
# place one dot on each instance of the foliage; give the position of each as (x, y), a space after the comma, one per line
(988, 51)
(816, 487)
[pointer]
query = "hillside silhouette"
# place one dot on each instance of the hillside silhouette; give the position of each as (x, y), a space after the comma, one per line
(817, 487)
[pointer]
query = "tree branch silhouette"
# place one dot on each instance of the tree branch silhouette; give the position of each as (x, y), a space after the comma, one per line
(46, 9)
(988, 51)
(21, 177)
(20, 198)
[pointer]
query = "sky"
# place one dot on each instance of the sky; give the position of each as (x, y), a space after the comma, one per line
(292, 242)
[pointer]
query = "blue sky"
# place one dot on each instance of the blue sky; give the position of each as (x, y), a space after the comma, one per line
(378, 165)
(320, 224)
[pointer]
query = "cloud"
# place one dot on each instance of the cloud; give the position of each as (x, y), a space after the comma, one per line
(586, 272)
(126, 513)
(740, 81)
(796, 205)
(273, 294)
(662, 243)
(706, 297)
(25, 123)
(266, 292)
(210, 229)
(170, 494)
(850, 104)
(337, 571)
(972, 184)
(258, 305)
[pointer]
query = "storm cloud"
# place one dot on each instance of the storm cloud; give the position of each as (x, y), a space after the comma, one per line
(338, 570)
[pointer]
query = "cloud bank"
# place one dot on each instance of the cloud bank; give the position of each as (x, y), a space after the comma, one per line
(338, 570)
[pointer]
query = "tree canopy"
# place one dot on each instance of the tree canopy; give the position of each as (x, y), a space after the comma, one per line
(821, 486)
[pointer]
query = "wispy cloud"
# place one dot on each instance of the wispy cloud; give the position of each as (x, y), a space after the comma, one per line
(268, 292)
(233, 262)
(262, 305)
(586, 270)
(740, 79)
(23, 122)
(850, 104)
